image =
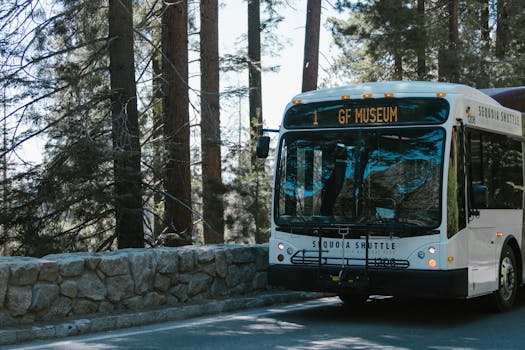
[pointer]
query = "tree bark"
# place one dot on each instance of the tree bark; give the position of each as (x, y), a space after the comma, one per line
(178, 223)
(254, 68)
(158, 146)
(422, 41)
(311, 45)
(485, 25)
(125, 129)
(453, 37)
(255, 100)
(502, 29)
(483, 77)
(398, 65)
(448, 57)
(212, 187)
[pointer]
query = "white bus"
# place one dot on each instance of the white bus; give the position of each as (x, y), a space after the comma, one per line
(398, 188)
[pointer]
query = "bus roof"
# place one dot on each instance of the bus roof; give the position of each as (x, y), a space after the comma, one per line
(380, 88)
(510, 97)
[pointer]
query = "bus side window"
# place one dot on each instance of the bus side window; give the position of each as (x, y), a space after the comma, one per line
(456, 212)
(477, 159)
(495, 172)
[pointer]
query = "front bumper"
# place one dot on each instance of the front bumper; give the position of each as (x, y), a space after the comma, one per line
(396, 282)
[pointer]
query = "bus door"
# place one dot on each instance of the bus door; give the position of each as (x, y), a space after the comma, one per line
(481, 230)
(482, 259)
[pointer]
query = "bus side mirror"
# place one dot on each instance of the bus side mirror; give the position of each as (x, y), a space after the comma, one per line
(263, 147)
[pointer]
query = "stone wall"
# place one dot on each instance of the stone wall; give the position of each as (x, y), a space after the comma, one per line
(62, 285)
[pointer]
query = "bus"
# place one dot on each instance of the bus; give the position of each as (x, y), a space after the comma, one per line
(401, 189)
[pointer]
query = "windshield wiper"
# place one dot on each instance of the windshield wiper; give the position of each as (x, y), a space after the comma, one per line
(325, 229)
(377, 227)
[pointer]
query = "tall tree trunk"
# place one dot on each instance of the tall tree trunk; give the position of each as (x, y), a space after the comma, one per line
(255, 98)
(422, 41)
(398, 64)
(502, 29)
(311, 45)
(4, 239)
(453, 37)
(483, 77)
(212, 187)
(448, 57)
(485, 25)
(125, 129)
(178, 221)
(254, 71)
(442, 64)
(157, 142)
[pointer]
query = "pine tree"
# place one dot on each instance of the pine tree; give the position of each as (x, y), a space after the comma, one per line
(178, 220)
(212, 186)
(379, 39)
(254, 72)
(65, 203)
(482, 79)
(247, 209)
(311, 45)
(421, 40)
(125, 129)
(451, 42)
(502, 28)
(449, 56)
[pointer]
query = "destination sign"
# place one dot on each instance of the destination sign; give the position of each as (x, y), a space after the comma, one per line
(367, 112)
(386, 114)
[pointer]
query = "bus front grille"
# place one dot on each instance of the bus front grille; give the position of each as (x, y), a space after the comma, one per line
(316, 257)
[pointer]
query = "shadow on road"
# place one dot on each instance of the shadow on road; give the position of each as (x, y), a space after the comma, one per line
(430, 312)
(401, 324)
(381, 323)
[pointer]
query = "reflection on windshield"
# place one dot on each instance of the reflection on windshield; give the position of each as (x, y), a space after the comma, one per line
(352, 177)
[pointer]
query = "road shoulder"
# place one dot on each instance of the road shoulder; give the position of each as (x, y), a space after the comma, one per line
(105, 322)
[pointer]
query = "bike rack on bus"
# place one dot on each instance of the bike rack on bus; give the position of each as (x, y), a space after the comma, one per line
(342, 277)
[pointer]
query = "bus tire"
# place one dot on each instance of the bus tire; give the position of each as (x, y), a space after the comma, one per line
(353, 299)
(505, 296)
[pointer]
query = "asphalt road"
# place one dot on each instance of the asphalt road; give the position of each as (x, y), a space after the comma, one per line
(326, 324)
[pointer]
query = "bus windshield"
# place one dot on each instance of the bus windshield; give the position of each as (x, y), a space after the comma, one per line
(361, 177)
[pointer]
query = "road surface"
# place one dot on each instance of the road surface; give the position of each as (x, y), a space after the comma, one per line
(386, 323)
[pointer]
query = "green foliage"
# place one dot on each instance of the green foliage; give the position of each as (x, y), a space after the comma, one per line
(54, 79)
(65, 203)
(248, 198)
(379, 41)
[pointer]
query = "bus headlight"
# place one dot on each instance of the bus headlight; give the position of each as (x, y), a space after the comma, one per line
(432, 262)
(280, 246)
(289, 251)
(432, 250)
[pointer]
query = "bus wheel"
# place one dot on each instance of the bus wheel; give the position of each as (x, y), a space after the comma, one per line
(508, 280)
(353, 299)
